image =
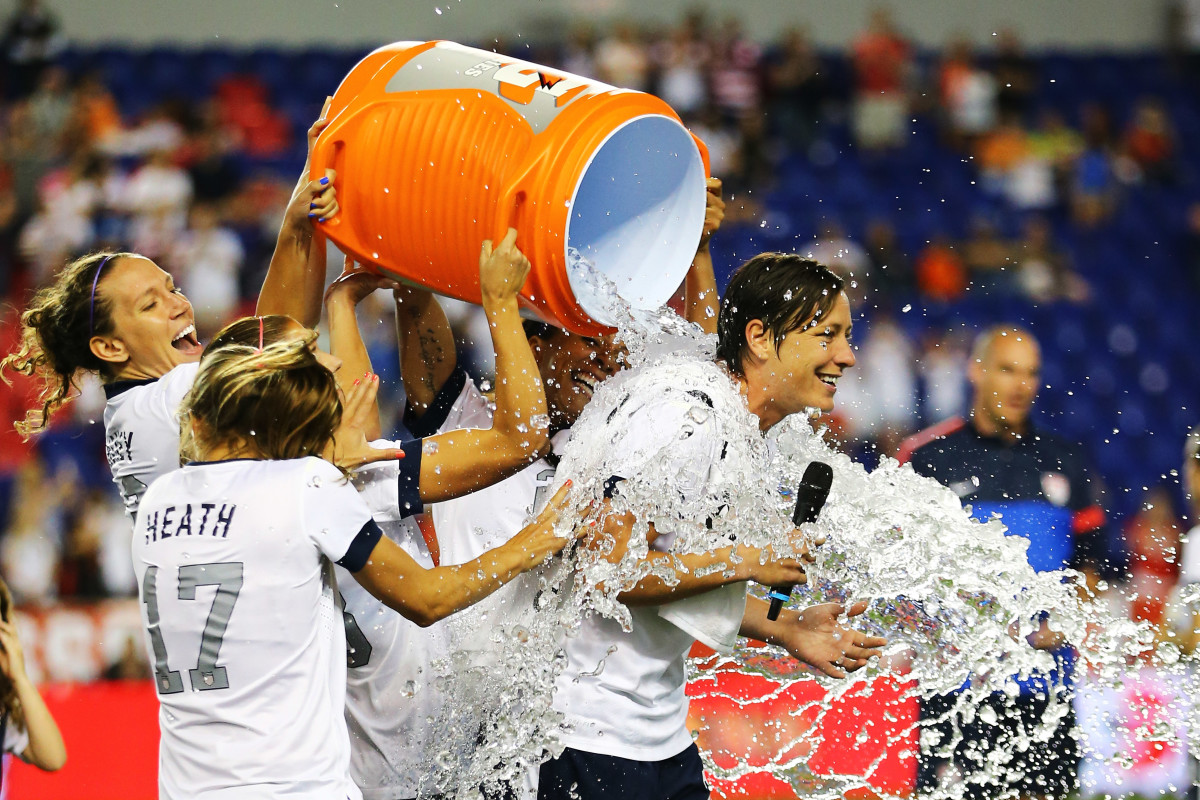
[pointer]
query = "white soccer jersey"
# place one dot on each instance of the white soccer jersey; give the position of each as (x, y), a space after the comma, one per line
(234, 564)
(393, 699)
(141, 428)
(622, 692)
(469, 526)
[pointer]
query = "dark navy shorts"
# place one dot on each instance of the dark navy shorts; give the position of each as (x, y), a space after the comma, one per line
(590, 776)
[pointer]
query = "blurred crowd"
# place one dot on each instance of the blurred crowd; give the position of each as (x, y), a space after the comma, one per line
(199, 186)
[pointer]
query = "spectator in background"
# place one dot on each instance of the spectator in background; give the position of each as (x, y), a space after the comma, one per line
(622, 59)
(989, 258)
(796, 90)
(997, 462)
(1191, 244)
(1150, 141)
(682, 60)
(1000, 151)
(579, 54)
(843, 256)
(31, 41)
(942, 370)
(940, 272)
(1015, 74)
(735, 73)
(131, 664)
(891, 270)
(882, 69)
(880, 402)
(968, 95)
(1153, 538)
(1189, 571)
(1043, 272)
(1057, 144)
(51, 107)
(97, 120)
(1093, 183)
(30, 547)
(157, 196)
(207, 259)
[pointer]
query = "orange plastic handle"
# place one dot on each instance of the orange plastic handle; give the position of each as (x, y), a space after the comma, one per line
(328, 154)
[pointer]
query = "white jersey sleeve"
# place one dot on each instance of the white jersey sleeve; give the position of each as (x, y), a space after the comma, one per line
(336, 519)
(1189, 571)
(16, 740)
(141, 430)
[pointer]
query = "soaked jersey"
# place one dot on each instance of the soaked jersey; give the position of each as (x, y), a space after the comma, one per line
(234, 561)
(141, 428)
(622, 692)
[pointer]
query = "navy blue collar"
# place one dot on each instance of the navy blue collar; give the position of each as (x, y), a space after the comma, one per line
(115, 388)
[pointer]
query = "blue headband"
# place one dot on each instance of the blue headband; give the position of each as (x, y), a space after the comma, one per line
(92, 307)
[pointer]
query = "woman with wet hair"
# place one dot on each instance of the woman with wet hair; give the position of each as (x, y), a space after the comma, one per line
(26, 727)
(120, 316)
(233, 556)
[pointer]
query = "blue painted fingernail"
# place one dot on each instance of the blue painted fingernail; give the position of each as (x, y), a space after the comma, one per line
(324, 181)
(310, 216)
(312, 205)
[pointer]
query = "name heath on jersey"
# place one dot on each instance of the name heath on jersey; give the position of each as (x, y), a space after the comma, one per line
(165, 524)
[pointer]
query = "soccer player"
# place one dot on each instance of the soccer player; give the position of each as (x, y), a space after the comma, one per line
(1040, 484)
(783, 344)
(119, 315)
(233, 556)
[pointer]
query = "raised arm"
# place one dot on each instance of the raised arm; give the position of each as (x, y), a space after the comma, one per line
(428, 595)
(46, 749)
(296, 274)
(700, 287)
(427, 354)
(467, 460)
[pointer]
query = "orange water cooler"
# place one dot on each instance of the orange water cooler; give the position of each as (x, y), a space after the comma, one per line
(438, 146)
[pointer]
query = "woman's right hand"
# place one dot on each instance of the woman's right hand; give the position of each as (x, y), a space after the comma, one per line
(538, 538)
(356, 283)
(349, 448)
(503, 269)
(12, 657)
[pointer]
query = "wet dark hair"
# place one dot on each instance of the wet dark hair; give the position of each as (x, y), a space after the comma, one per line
(542, 330)
(56, 333)
(784, 291)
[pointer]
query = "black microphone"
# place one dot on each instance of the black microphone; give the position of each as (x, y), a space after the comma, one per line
(810, 499)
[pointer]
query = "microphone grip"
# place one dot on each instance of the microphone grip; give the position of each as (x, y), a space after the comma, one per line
(810, 498)
(779, 595)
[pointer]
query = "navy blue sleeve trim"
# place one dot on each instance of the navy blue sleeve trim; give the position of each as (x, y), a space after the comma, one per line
(408, 497)
(361, 548)
(610, 486)
(435, 416)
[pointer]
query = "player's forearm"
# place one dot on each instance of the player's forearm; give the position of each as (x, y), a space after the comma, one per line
(451, 589)
(700, 291)
(520, 396)
(693, 574)
(468, 460)
(426, 342)
(296, 275)
(755, 624)
(46, 749)
(345, 342)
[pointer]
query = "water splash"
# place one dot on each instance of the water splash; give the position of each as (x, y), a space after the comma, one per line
(956, 597)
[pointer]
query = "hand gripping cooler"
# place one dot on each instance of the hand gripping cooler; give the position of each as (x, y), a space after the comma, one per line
(439, 146)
